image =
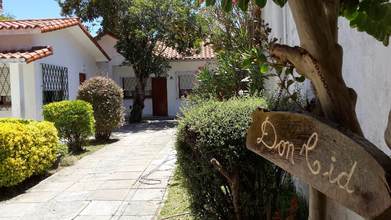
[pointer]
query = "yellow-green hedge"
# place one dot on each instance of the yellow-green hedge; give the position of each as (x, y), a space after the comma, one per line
(26, 148)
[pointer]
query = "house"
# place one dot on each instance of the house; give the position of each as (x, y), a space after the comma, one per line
(42, 61)
(45, 60)
(164, 93)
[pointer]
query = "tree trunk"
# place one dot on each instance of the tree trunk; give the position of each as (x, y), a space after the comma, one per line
(136, 114)
(320, 59)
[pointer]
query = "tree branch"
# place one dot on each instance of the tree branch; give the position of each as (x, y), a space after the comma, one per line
(233, 181)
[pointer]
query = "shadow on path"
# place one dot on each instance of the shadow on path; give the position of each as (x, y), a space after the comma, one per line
(147, 125)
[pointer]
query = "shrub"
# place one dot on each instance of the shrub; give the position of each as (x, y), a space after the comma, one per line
(73, 119)
(106, 98)
(26, 148)
(216, 130)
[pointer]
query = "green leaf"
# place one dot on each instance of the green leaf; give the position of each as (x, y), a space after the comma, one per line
(300, 79)
(261, 3)
(280, 3)
(227, 5)
(264, 68)
(370, 16)
(210, 2)
(243, 4)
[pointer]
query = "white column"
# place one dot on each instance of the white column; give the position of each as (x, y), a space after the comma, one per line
(16, 90)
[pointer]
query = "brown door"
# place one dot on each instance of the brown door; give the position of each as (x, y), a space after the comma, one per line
(159, 96)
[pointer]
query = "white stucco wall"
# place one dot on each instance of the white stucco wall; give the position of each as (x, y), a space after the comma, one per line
(71, 49)
(68, 52)
(173, 101)
(107, 42)
(367, 69)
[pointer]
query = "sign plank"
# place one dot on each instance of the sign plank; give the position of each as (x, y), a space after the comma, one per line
(342, 165)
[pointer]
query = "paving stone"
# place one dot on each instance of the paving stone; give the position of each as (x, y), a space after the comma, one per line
(148, 194)
(93, 217)
(118, 184)
(50, 186)
(72, 196)
(150, 217)
(141, 208)
(16, 209)
(101, 208)
(108, 195)
(151, 184)
(56, 210)
(104, 185)
(124, 176)
(38, 197)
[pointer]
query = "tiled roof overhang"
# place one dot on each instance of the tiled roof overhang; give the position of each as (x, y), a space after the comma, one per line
(48, 25)
(26, 56)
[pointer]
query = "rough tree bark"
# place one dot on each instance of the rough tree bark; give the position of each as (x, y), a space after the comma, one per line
(319, 58)
(136, 113)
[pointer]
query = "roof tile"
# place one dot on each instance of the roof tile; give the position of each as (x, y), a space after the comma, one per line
(48, 25)
(30, 55)
(206, 53)
(44, 25)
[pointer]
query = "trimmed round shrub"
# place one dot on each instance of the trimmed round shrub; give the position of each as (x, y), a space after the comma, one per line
(26, 148)
(106, 98)
(212, 133)
(74, 121)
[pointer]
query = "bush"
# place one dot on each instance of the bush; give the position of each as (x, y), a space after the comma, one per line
(217, 130)
(26, 148)
(106, 98)
(73, 119)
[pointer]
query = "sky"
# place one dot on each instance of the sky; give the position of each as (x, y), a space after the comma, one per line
(27, 9)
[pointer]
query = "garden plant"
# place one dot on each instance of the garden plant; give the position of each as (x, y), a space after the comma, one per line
(74, 121)
(106, 98)
(27, 148)
(224, 179)
(319, 58)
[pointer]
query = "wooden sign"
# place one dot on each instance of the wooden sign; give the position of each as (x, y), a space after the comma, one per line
(343, 166)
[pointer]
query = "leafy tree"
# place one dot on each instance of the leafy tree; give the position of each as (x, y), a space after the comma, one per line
(108, 12)
(145, 30)
(319, 56)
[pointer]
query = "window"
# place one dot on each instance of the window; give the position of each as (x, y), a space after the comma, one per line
(55, 83)
(129, 87)
(5, 87)
(186, 83)
(82, 78)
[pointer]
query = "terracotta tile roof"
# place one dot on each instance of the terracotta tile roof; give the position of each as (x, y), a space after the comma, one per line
(48, 25)
(206, 53)
(27, 56)
(44, 25)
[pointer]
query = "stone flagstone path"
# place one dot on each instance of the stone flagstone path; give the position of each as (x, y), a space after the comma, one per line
(124, 180)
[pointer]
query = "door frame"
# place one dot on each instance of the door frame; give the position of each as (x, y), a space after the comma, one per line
(159, 96)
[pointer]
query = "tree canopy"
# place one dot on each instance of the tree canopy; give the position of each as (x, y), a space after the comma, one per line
(370, 16)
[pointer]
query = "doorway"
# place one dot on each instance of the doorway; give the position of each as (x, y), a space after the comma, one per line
(159, 96)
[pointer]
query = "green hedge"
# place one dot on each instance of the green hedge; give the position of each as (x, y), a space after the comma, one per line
(73, 119)
(217, 130)
(106, 97)
(26, 148)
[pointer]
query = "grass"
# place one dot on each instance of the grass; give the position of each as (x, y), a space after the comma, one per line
(177, 204)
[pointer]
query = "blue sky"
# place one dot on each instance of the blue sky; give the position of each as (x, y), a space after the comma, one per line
(26, 9)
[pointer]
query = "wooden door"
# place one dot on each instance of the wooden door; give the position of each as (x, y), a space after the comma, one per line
(159, 96)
